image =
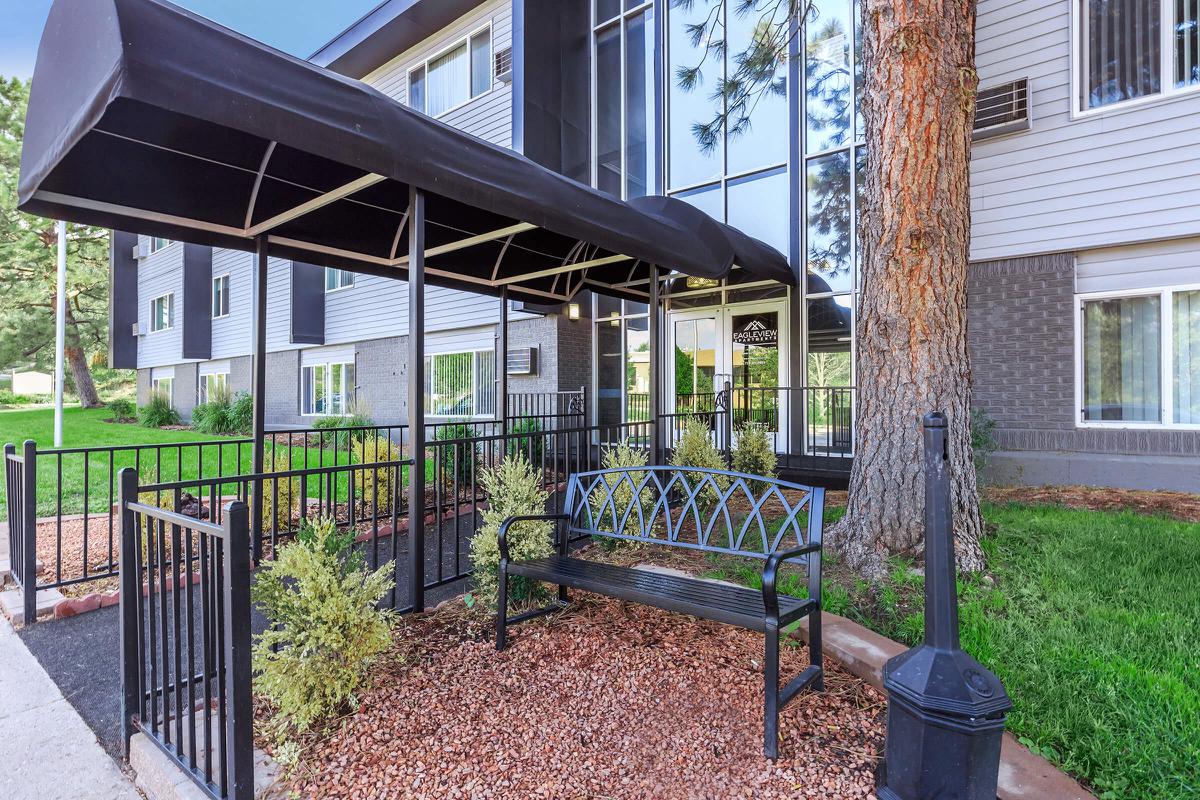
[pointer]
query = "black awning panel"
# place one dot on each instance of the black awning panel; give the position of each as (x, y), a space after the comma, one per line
(145, 117)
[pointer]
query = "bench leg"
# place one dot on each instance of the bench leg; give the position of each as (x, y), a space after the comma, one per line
(502, 609)
(814, 648)
(771, 693)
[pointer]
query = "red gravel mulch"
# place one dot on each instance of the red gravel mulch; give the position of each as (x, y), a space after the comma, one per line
(1176, 505)
(610, 700)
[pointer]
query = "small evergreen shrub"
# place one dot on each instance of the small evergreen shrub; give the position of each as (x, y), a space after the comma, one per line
(528, 445)
(281, 496)
(607, 516)
(983, 438)
(122, 410)
(338, 436)
(158, 411)
(325, 626)
(216, 416)
(241, 414)
(696, 449)
(456, 461)
(754, 454)
(376, 485)
(513, 488)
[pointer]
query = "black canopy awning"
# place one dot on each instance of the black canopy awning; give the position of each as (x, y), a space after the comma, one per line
(145, 117)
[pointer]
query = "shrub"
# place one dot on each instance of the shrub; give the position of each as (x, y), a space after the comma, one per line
(457, 461)
(122, 410)
(241, 414)
(983, 438)
(378, 484)
(754, 454)
(338, 437)
(281, 496)
(618, 457)
(695, 449)
(513, 488)
(528, 445)
(158, 412)
(324, 627)
(215, 416)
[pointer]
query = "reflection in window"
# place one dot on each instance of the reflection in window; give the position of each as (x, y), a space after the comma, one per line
(830, 232)
(1121, 53)
(754, 138)
(639, 104)
(1186, 341)
(690, 165)
(758, 205)
(1187, 43)
(708, 199)
(608, 111)
(624, 96)
(1121, 380)
(828, 79)
(829, 374)
(695, 363)
(637, 369)
(460, 384)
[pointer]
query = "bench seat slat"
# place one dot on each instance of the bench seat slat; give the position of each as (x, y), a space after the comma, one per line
(732, 605)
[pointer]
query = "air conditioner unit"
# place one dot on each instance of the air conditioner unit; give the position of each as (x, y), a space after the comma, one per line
(503, 65)
(522, 361)
(134, 330)
(139, 251)
(1002, 109)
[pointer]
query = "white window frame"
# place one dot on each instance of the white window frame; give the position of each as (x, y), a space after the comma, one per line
(347, 390)
(224, 296)
(342, 273)
(170, 296)
(1167, 91)
(1166, 353)
(154, 246)
(656, 136)
(156, 385)
(203, 391)
(475, 387)
(458, 42)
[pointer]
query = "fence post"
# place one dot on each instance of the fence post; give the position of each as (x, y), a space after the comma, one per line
(727, 424)
(131, 592)
(239, 770)
(29, 577)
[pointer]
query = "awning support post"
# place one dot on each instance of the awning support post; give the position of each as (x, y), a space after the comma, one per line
(502, 378)
(258, 393)
(655, 366)
(416, 396)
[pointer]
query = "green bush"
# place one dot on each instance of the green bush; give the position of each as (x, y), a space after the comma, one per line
(281, 496)
(696, 449)
(338, 437)
(376, 485)
(456, 462)
(618, 457)
(529, 444)
(158, 411)
(983, 438)
(513, 489)
(754, 454)
(324, 625)
(7, 398)
(122, 410)
(241, 414)
(219, 415)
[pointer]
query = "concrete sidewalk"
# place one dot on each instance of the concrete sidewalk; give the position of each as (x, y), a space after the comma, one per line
(46, 751)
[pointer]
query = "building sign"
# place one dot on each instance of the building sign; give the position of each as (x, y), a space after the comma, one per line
(761, 330)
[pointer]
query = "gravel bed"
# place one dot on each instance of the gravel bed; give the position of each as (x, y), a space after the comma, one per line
(610, 700)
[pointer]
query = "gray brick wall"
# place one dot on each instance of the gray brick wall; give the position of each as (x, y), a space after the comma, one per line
(185, 389)
(283, 389)
(1022, 337)
(241, 371)
(381, 379)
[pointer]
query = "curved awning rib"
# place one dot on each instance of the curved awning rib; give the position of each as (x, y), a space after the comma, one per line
(145, 117)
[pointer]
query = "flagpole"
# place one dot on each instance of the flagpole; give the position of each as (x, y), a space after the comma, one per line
(60, 333)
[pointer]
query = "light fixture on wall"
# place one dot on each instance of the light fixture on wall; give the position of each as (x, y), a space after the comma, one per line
(572, 311)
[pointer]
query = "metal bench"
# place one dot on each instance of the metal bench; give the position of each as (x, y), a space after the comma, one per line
(713, 511)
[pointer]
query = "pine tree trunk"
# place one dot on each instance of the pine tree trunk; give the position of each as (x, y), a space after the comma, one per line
(81, 372)
(919, 106)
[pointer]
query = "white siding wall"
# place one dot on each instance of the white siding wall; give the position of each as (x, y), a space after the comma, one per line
(232, 334)
(1121, 176)
(1142, 266)
(158, 274)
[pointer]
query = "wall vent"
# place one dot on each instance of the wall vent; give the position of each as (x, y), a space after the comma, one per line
(504, 65)
(522, 361)
(1002, 109)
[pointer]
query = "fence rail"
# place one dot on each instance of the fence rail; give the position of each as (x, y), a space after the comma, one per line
(185, 640)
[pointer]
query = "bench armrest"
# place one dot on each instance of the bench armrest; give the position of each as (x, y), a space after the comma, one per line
(502, 535)
(770, 595)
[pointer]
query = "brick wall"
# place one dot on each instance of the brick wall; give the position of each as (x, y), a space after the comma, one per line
(283, 389)
(184, 390)
(381, 378)
(1022, 336)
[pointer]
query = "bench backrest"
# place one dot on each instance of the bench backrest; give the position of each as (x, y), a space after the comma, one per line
(704, 509)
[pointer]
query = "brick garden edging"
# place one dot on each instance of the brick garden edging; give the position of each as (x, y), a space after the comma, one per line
(1024, 775)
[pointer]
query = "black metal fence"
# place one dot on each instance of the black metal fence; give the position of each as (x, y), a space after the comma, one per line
(21, 492)
(185, 639)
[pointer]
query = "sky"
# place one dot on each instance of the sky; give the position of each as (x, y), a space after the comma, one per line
(296, 26)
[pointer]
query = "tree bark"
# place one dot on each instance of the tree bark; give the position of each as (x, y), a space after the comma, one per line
(919, 107)
(85, 387)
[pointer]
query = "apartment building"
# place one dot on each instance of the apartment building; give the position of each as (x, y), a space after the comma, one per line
(1085, 276)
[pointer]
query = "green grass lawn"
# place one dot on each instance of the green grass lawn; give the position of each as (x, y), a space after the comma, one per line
(1093, 624)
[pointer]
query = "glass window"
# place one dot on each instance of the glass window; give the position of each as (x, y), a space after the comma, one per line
(328, 388)
(828, 83)
(1187, 43)
(162, 313)
(220, 296)
(448, 82)
(758, 206)
(609, 380)
(608, 110)
(1122, 50)
(212, 385)
(639, 104)
(606, 10)
(695, 363)
(164, 387)
(481, 62)
(416, 88)
(708, 199)
(637, 369)
(337, 279)
(830, 232)
(755, 132)
(1186, 346)
(460, 384)
(690, 101)
(1121, 361)
(158, 243)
